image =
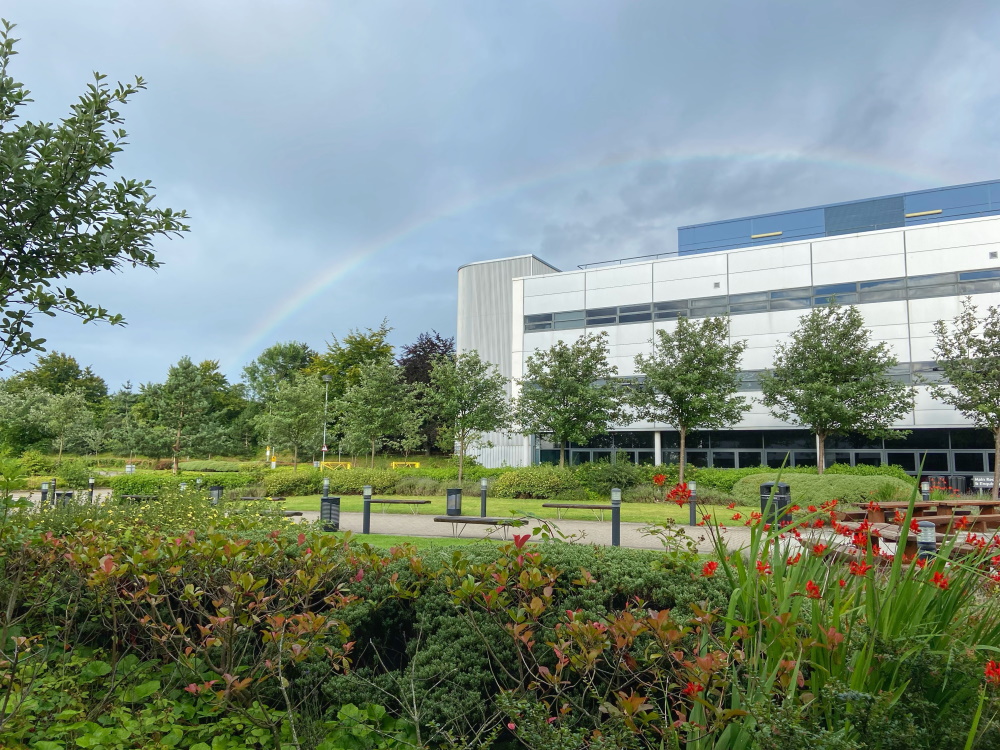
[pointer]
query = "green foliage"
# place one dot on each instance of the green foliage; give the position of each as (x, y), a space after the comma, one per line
(379, 409)
(211, 466)
(812, 489)
(36, 462)
(63, 215)
(831, 378)
(277, 364)
(691, 379)
(153, 483)
(345, 482)
(570, 391)
(542, 482)
(600, 476)
(863, 470)
(345, 361)
(294, 416)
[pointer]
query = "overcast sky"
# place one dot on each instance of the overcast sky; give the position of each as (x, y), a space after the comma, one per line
(340, 160)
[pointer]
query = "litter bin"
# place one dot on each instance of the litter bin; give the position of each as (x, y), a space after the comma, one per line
(958, 483)
(774, 509)
(453, 506)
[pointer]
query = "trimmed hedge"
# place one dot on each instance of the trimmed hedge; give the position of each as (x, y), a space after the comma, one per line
(209, 466)
(154, 482)
(812, 489)
(535, 482)
(862, 470)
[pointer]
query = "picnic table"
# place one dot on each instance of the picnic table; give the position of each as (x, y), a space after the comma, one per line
(939, 512)
(275, 499)
(583, 506)
(140, 498)
(456, 521)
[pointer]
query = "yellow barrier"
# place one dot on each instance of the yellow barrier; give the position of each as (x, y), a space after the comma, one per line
(334, 465)
(406, 464)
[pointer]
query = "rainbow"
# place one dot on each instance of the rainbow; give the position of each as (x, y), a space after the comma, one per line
(259, 337)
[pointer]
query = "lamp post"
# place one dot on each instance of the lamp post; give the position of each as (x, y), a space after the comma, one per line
(326, 406)
(693, 504)
(616, 517)
(90, 486)
(482, 497)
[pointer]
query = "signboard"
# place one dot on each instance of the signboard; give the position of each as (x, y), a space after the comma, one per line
(325, 449)
(982, 482)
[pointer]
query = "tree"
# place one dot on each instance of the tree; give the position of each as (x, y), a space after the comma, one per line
(379, 407)
(179, 409)
(470, 397)
(61, 218)
(68, 420)
(691, 379)
(832, 379)
(416, 362)
(276, 364)
(294, 420)
(968, 353)
(570, 391)
(59, 373)
(345, 361)
(21, 424)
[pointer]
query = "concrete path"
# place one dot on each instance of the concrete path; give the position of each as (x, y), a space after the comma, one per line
(591, 532)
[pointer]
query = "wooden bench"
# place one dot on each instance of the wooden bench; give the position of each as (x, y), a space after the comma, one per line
(275, 499)
(412, 503)
(982, 522)
(456, 521)
(582, 506)
(292, 513)
(140, 498)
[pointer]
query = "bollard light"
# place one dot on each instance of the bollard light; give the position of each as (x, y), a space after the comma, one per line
(215, 492)
(90, 487)
(326, 486)
(45, 494)
(45, 486)
(692, 504)
(329, 513)
(616, 517)
(616, 496)
(197, 483)
(483, 483)
(926, 540)
(366, 518)
(367, 491)
(182, 486)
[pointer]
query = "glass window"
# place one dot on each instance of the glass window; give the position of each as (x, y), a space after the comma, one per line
(548, 457)
(646, 458)
(724, 459)
(748, 307)
(669, 439)
(886, 296)
(907, 461)
(601, 456)
(993, 273)
(698, 440)
(602, 321)
(785, 293)
(979, 287)
(922, 439)
(538, 327)
(751, 297)
(571, 315)
(942, 290)
(671, 314)
(775, 459)
(579, 457)
(602, 312)
(709, 312)
(788, 439)
(854, 441)
(867, 459)
(934, 462)
(634, 309)
(709, 302)
(750, 458)
(736, 438)
(828, 289)
(636, 318)
(792, 303)
(842, 299)
(698, 458)
(883, 284)
(678, 304)
(838, 457)
(971, 438)
(563, 325)
(541, 318)
(931, 279)
(634, 439)
(969, 462)
(805, 458)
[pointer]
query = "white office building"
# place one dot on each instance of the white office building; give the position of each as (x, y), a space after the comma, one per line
(907, 261)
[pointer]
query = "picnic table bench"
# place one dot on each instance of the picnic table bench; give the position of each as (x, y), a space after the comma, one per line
(140, 498)
(412, 503)
(582, 506)
(456, 521)
(891, 533)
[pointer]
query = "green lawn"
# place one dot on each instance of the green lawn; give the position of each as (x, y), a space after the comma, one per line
(496, 506)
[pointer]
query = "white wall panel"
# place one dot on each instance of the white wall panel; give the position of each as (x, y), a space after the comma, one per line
(635, 333)
(634, 294)
(950, 259)
(968, 233)
(884, 313)
(602, 278)
(771, 278)
(768, 257)
(555, 283)
(688, 288)
(690, 267)
(934, 309)
(543, 303)
(760, 358)
(877, 267)
(781, 321)
(857, 246)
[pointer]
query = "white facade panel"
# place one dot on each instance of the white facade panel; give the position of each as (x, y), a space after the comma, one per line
(950, 259)
(631, 294)
(769, 257)
(878, 267)
(864, 247)
(964, 234)
(787, 277)
(557, 283)
(543, 303)
(603, 278)
(707, 286)
(691, 267)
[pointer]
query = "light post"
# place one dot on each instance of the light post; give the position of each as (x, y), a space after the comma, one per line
(693, 504)
(483, 484)
(616, 517)
(326, 406)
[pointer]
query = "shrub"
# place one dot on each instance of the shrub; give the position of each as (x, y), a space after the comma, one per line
(209, 466)
(863, 470)
(35, 462)
(418, 486)
(601, 476)
(153, 483)
(812, 489)
(539, 482)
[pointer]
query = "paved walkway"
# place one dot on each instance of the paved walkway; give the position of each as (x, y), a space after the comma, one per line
(592, 532)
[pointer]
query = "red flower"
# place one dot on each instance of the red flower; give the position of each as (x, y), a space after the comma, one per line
(794, 559)
(819, 549)
(737, 516)
(921, 562)
(731, 506)
(992, 672)
(812, 508)
(709, 569)
(914, 526)
(763, 568)
(659, 479)
(859, 567)
(693, 688)
(812, 590)
(521, 539)
(679, 494)
(940, 580)
(842, 583)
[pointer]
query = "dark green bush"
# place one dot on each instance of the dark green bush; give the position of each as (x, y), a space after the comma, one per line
(600, 476)
(35, 462)
(152, 483)
(541, 482)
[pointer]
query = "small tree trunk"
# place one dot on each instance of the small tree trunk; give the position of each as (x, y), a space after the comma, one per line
(177, 449)
(562, 454)
(371, 464)
(461, 460)
(62, 441)
(996, 463)
(683, 462)
(295, 458)
(820, 452)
